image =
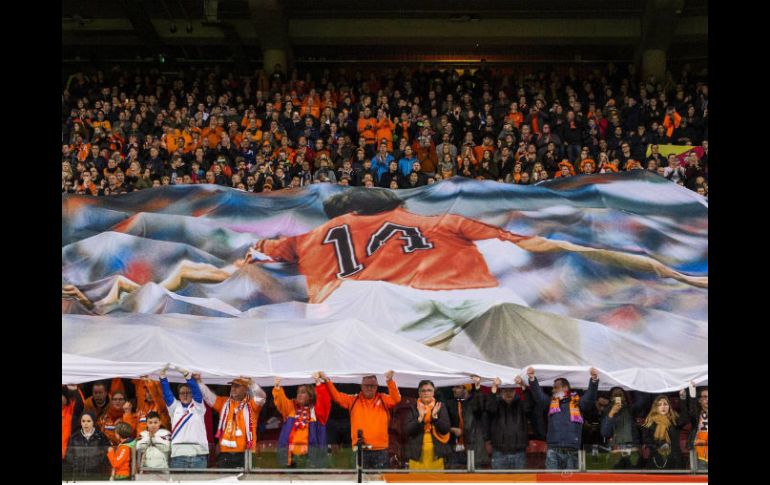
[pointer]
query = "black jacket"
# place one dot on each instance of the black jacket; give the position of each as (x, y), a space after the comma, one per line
(508, 422)
(656, 459)
(414, 434)
(87, 456)
(473, 424)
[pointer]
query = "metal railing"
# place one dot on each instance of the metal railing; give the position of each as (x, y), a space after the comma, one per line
(358, 472)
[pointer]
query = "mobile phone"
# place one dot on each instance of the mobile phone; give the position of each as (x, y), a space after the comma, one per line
(618, 400)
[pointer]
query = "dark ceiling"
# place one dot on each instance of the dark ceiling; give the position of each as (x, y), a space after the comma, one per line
(113, 43)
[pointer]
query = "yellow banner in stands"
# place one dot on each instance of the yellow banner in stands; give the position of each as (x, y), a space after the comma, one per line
(667, 150)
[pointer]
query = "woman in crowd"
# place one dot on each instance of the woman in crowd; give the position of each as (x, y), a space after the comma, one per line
(302, 442)
(87, 451)
(619, 428)
(427, 431)
(660, 434)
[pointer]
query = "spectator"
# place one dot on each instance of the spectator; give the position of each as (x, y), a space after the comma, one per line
(405, 165)
(660, 434)
(119, 410)
(71, 409)
(149, 398)
(369, 412)
(155, 443)
(87, 450)
(619, 428)
(238, 415)
(508, 425)
(697, 413)
(120, 458)
(674, 171)
(381, 162)
(189, 443)
(565, 418)
(302, 442)
(100, 399)
(427, 430)
(466, 416)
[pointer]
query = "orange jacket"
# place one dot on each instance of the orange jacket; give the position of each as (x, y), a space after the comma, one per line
(75, 406)
(671, 124)
(138, 420)
(121, 459)
(117, 385)
(370, 415)
(214, 135)
(385, 129)
(366, 128)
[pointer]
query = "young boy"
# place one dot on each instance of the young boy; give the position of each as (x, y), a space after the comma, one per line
(155, 442)
(121, 459)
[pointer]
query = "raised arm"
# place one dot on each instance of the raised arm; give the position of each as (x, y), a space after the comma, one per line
(616, 258)
(208, 396)
(258, 394)
(168, 396)
(394, 396)
(323, 401)
(342, 399)
(282, 403)
(537, 393)
(589, 398)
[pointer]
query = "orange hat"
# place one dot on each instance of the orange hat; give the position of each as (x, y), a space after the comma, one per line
(239, 381)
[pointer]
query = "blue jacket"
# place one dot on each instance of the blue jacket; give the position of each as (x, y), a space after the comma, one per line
(563, 433)
(380, 168)
(405, 165)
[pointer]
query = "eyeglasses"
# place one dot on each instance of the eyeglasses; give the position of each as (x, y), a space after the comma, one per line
(426, 390)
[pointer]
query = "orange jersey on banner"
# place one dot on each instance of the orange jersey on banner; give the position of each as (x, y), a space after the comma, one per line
(397, 246)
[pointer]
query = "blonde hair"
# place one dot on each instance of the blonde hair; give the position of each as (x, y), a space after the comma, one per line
(673, 416)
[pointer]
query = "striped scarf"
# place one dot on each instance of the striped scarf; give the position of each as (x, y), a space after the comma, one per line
(228, 429)
(574, 410)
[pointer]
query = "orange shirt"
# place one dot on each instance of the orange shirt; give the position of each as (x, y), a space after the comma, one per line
(397, 246)
(370, 415)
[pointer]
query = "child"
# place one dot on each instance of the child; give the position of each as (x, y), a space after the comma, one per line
(155, 442)
(121, 460)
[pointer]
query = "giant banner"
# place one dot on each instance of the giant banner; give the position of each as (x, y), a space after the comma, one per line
(456, 278)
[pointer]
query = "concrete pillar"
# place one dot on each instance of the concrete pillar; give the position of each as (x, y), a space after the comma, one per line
(271, 57)
(654, 64)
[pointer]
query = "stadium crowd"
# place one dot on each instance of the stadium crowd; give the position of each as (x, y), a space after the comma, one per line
(125, 130)
(194, 427)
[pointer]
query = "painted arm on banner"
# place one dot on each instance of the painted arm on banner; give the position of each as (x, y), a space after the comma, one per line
(616, 258)
(184, 272)
(283, 249)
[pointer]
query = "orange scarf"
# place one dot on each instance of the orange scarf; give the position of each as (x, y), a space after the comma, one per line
(429, 428)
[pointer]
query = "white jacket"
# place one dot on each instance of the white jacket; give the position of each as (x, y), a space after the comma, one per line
(155, 448)
(188, 434)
